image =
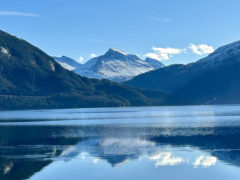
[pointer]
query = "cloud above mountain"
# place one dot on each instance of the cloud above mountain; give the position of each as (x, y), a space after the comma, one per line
(80, 59)
(92, 55)
(201, 49)
(163, 53)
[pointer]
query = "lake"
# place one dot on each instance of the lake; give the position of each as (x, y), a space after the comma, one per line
(144, 143)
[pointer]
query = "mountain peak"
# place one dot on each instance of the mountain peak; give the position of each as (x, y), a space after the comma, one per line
(113, 51)
(67, 63)
(65, 57)
(151, 59)
(31, 79)
(154, 63)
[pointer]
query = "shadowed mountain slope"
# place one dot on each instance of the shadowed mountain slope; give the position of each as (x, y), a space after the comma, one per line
(29, 78)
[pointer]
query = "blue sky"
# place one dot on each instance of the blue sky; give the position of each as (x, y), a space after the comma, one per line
(174, 31)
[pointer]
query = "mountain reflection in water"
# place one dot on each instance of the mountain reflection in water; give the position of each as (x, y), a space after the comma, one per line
(26, 150)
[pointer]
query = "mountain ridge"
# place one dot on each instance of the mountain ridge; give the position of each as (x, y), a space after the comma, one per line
(31, 79)
(210, 80)
(67, 63)
(116, 65)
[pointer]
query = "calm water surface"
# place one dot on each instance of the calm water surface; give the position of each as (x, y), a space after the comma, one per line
(146, 143)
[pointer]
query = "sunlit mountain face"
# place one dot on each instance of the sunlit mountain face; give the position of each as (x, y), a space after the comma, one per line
(115, 65)
(115, 142)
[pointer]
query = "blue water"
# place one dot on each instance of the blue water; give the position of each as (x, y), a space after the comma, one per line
(187, 142)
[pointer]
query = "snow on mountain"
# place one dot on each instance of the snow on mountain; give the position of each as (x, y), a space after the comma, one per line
(115, 65)
(67, 63)
(211, 80)
(5, 51)
(117, 50)
(66, 66)
(222, 54)
(154, 63)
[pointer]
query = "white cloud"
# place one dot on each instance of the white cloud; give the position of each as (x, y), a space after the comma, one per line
(205, 161)
(92, 55)
(13, 13)
(82, 155)
(166, 159)
(80, 59)
(163, 53)
(95, 160)
(201, 49)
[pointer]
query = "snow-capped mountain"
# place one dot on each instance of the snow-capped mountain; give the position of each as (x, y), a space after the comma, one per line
(67, 63)
(226, 54)
(211, 80)
(154, 63)
(115, 65)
